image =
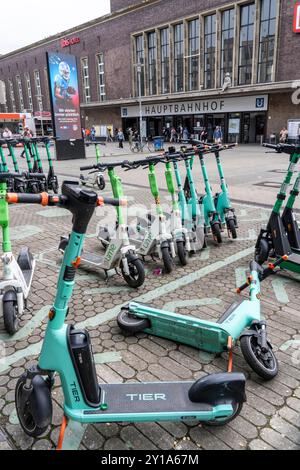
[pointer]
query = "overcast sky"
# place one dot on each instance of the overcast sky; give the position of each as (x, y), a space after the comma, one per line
(25, 21)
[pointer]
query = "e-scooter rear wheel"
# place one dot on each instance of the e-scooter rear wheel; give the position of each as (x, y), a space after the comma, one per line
(264, 363)
(131, 323)
(216, 231)
(10, 317)
(167, 259)
(237, 408)
(182, 253)
(101, 182)
(232, 229)
(35, 411)
(136, 276)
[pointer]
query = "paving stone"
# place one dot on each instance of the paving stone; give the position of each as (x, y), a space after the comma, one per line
(207, 440)
(277, 440)
(161, 438)
(259, 444)
(115, 444)
(42, 444)
(294, 403)
(186, 446)
(286, 429)
(107, 429)
(290, 415)
(133, 439)
(176, 368)
(244, 428)
(178, 430)
(92, 439)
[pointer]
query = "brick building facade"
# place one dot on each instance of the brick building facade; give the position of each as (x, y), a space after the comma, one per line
(255, 44)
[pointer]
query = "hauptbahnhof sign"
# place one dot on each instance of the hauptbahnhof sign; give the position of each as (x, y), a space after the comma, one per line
(219, 105)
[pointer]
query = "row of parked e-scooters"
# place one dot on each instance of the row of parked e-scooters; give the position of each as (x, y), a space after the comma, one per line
(215, 399)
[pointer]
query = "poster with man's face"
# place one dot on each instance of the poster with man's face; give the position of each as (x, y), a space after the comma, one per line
(63, 79)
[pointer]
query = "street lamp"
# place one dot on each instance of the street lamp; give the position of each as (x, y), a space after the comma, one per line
(139, 77)
(40, 101)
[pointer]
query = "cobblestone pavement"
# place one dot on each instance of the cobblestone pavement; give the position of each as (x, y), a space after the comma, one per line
(271, 417)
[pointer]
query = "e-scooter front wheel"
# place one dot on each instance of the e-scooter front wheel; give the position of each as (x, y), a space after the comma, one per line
(232, 228)
(263, 362)
(216, 232)
(136, 276)
(262, 250)
(131, 323)
(167, 259)
(10, 317)
(34, 407)
(182, 253)
(101, 182)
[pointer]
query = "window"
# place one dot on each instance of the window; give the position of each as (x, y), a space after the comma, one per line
(29, 92)
(38, 89)
(227, 41)
(101, 77)
(86, 80)
(152, 63)
(165, 60)
(267, 40)
(12, 95)
(246, 44)
(20, 92)
(140, 75)
(46, 87)
(209, 51)
(193, 59)
(178, 58)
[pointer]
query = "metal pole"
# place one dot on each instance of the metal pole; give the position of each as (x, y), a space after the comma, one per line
(139, 72)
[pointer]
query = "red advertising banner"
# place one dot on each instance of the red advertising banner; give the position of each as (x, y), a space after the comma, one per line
(296, 28)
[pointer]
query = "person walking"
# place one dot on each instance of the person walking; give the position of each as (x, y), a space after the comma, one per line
(93, 134)
(185, 134)
(7, 134)
(173, 135)
(27, 134)
(88, 135)
(130, 136)
(218, 135)
(108, 135)
(283, 135)
(180, 132)
(204, 136)
(121, 138)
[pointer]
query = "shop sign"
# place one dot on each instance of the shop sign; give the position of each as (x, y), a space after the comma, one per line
(209, 106)
(297, 18)
(69, 42)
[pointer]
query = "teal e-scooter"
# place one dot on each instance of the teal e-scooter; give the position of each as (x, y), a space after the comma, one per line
(241, 322)
(214, 399)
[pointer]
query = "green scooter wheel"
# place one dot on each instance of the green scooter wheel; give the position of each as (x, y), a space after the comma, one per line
(182, 253)
(10, 317)
(35, 411)
(167, 259)
(264, 363)
(131, 323)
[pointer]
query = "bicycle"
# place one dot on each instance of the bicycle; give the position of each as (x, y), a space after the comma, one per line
(138, 146)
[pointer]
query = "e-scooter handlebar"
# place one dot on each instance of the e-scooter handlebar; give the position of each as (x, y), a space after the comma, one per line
(46, 199)
(264, 273)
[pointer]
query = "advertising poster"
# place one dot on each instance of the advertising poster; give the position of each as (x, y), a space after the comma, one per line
(234, 126)
(64, 92)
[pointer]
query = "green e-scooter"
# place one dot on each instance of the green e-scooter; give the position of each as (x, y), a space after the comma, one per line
(119, 252)
(214, 399)
(241, 321)
(273, 241)
(96, 179)
(19, 184)
(4, 167)
(52, 180)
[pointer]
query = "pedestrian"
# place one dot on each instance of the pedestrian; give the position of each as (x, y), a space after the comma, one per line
(283, 135)
(204, 136)
(7, 134)
(218, 135)
(121, 138)
(88, 135)
(27, 134)
(93, 134)
(185, 134)
(116, 132)
(130, 136)
(108, 135)
(173, 135)
(83, 133)
(180, 132)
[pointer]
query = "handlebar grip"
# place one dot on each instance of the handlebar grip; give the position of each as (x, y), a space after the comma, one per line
(271, 146)
(21, 198)
(92, 167)
(102, 201)
(245, 286)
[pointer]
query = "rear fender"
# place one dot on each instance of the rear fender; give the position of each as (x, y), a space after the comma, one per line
(215, 388)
